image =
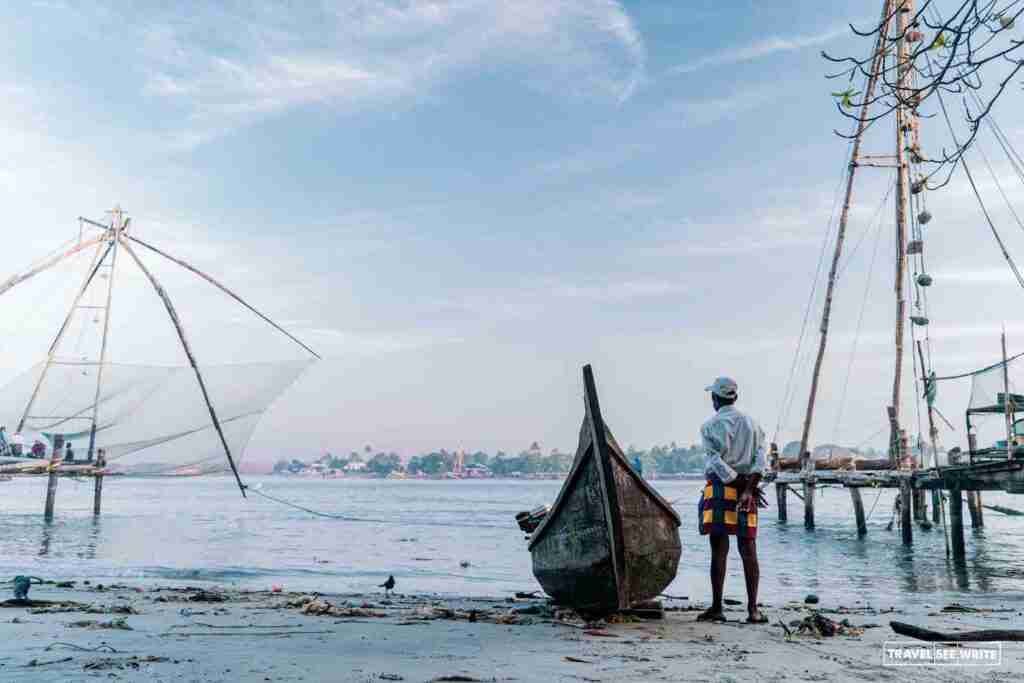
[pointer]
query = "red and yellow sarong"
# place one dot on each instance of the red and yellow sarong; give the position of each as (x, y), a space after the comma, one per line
(717, 514)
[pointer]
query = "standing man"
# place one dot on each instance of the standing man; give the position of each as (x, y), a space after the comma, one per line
(734, 460)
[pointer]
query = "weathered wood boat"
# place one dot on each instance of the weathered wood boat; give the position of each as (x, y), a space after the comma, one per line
(610, 541)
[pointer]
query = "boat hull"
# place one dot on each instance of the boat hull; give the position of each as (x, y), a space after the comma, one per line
(610, 541)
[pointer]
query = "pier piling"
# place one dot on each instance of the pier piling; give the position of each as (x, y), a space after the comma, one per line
(780, 498)
(956, 522)
(97, 496)
(51, 480)
(858, 510)
(936, 506)
(974, 507)
(906, 527)
(809, 503)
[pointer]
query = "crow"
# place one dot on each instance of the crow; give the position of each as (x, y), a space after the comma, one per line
(388, 585)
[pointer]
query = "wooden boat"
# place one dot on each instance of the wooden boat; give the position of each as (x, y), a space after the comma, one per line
(610, 541)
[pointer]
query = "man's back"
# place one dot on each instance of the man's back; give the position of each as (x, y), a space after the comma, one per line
(736, 438)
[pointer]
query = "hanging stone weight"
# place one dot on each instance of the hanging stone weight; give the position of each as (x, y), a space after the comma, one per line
(1006, 21)
(924, 280)
(919, 320)
(917, 187)
(915, 247)
(924, 218)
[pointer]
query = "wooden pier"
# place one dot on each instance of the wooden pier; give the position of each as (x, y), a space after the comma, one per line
(53, 470)
(964, 483)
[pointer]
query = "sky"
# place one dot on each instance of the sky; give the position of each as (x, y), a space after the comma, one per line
(459, 203)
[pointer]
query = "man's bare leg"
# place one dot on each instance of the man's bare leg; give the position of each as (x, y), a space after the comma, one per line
(752, 574)
(719, 555)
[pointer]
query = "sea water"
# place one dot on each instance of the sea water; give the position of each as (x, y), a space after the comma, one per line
(460, 538)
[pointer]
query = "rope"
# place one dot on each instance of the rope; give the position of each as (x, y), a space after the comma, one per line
(977, 195)
(870, 512)
(789, 394)
(329, 515)
(863, 307)
(972, 373)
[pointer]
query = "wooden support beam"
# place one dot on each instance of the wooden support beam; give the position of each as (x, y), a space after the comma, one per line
(906, 528)
(956, 522)
(936, 506)
(51, 480)
(97, 496)
(974, 507)
(809, 503)
(780, 499)
(858, 510)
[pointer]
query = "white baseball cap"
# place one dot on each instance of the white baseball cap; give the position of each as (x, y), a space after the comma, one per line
(724, 387)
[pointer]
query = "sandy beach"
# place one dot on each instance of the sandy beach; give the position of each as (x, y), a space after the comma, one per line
(129, 632)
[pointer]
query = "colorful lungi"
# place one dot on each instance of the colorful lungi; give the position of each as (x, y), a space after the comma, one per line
(717, 514)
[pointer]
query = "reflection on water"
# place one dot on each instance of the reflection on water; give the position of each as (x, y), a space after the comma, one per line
(201, 529)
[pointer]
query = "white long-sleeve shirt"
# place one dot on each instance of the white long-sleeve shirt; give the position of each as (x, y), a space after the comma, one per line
(733, 445)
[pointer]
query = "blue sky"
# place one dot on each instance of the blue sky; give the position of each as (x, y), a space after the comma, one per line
(460, 203)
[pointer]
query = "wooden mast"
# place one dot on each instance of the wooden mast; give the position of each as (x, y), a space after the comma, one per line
(906, 7)
(173, 314)
(118, 226)
(844, 216)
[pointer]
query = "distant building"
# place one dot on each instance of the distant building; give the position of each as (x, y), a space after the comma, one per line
(355, 467)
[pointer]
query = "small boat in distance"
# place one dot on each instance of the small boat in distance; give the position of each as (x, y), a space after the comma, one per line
(610, 542)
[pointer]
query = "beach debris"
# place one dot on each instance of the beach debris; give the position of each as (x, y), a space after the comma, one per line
(201, 595)
(577, 660)
(530, 595)
(391, 677)
(102, 647)
(464, 564)
(116, 624)
(276, 589)
(87, 609)
(122, 663)
(816, 624)
(987, 635)
(321, 608)
(461, 678)
(36, 662)
(811, 599)
(730, 601)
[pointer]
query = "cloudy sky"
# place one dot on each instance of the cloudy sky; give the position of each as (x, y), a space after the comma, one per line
(459, 203)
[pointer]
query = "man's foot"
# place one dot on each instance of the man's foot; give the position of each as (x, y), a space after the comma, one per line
(712, 614)
(756, 617)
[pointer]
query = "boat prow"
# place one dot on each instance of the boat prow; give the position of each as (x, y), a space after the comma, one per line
(610, 541)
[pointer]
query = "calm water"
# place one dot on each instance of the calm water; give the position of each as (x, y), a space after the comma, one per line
(201, 530)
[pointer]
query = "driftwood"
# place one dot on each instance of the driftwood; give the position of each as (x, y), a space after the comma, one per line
(986, 636)
(1004, 510)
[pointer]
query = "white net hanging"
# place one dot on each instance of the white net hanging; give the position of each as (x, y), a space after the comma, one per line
(150, 419)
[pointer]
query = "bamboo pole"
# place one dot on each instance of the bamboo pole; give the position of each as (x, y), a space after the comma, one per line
(51, 479)
(974, 508)
(1007, 401)
(224, 289)
(841, 231)
(902, 170)
(173, 314)
(97, 494)
(49, 263)
(51, 353)
(119, 228)
(906, 527)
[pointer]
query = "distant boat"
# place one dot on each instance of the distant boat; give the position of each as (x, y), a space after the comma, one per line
(610, 541)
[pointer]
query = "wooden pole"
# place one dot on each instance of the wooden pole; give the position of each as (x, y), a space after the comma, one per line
(906, 528)
(903, 74)
(936, 506)
(974, 508)
(956, 522)
(173, 314)
(844, 215)
(97, 261)
(49, 263)
(858, 511)
(809, 481)
(780, 499)
(97, 495)
(118, 227)
(51, 481)
(1007, 402)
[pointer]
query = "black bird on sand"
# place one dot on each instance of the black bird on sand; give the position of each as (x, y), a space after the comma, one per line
(388, 585)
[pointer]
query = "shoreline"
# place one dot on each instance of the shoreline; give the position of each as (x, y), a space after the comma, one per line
(189, 633)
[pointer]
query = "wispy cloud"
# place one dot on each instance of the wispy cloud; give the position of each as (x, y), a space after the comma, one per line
(272, 58)
(758, 50)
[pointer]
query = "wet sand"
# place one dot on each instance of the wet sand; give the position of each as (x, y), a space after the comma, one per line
(178, 634)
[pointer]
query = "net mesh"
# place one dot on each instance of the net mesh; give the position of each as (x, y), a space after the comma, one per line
(150, 419)
(988, 403)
